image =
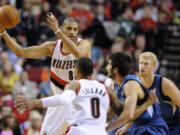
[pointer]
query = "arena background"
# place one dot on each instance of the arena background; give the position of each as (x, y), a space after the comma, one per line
(129, 26)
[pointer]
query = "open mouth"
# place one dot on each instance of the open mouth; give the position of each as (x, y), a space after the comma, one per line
(142, 71)
(71, 37)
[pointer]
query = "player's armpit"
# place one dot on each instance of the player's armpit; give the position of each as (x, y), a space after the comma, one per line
(170, 89)
(84, 49)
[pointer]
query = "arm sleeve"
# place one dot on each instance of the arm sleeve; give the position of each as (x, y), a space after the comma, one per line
(62, 99)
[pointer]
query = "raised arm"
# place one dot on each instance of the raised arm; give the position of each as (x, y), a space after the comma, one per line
(83, 49)
(29, 52)
(131, 92)
(69, 95)
(170, 89)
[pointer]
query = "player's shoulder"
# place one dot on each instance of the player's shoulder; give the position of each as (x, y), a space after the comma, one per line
(74, 85)
(84, 42)
(50, 45)
(166, 81)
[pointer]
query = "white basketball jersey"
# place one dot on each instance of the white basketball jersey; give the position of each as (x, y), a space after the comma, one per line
(62, 67)
(92, 103)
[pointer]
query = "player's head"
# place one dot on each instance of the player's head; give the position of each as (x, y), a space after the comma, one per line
(83, 68)
(119, 65)
(70, 28)
(147, 63)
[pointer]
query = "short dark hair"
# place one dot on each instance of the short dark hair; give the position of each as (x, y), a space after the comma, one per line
(85, 66)
(122, 62)
(70, 19)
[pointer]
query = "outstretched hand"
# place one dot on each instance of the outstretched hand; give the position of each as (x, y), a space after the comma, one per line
(23, 103)
(52, 21)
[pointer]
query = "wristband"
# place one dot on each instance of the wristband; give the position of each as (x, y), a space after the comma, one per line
(57, 31)
(1, 34)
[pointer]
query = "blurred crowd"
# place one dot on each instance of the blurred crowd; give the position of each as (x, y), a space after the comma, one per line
(129, 26)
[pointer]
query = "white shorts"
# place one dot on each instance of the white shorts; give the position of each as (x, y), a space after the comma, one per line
(55, 121)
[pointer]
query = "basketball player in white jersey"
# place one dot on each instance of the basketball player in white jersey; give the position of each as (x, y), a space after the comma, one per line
(91, 100)
(64, 52)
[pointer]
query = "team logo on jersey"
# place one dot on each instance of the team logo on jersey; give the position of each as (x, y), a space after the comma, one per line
(63, 64)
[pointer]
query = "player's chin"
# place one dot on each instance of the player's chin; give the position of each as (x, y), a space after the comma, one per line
(72, 38)
(110, 76)
(142, 74)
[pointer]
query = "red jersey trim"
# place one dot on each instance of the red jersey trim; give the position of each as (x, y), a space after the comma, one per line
(59, 80)
(54, 48)
(78, 89)
(108, 95)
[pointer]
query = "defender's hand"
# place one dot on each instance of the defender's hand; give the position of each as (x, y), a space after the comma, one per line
(152, 97)
(52, 21)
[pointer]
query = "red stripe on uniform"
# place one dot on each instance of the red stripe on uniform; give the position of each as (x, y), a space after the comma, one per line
(61, 46)
(59, 80)
(79, 88)
(54, 48)
(108, 94)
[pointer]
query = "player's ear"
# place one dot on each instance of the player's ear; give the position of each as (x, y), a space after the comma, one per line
(115, 70)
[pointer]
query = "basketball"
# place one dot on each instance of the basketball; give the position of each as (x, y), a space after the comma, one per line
(9, 16)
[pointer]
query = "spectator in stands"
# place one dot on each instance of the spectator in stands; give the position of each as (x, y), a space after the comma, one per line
(83, 15)
(25, 86)
(45, 83)
(64, 7)
(8, 77)
(118, 45)
(118, 7)
(166, 11)
(36, 122)
(127, 25)
(147, 16)
(97, 29)
(29, 23)
(9, 123)
(5, 110)
(140, 44)
(4, 56)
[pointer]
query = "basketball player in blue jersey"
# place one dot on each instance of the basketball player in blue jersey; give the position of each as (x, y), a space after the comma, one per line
(64, 53)
(132, 91)
(91, 99)
(167, 92)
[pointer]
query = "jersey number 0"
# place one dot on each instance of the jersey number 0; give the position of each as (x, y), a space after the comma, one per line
(95, 110)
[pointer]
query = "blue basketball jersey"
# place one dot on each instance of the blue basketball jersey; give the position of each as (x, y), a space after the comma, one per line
(150, 122)
(170, 112)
